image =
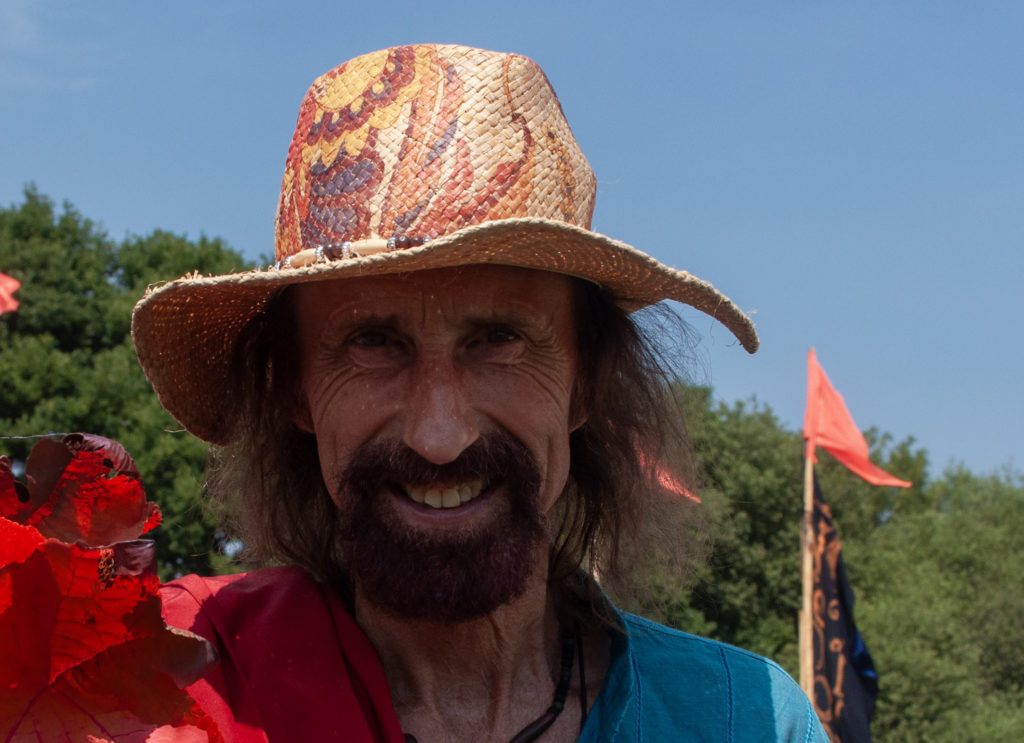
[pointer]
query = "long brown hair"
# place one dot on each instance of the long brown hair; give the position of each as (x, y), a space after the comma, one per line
(269, 485)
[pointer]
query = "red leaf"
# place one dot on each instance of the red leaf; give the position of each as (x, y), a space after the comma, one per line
(111, 450)
(93, 699)
(86, 654)
(85, 649)
(84, 489)
(45, 465)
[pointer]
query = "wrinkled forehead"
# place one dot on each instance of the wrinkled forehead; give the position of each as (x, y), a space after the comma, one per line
(466, 294)
(472, 288)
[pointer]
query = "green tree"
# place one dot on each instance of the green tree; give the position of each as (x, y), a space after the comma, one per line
(68, 363)
(750, 587)
(748, 591)
(940, 592)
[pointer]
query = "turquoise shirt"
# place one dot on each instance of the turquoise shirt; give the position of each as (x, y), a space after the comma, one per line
(665, 685)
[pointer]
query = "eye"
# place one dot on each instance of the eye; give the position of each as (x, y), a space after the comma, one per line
(492, 335)
(374, 347)
(495, 344)
(501, 334)
(372, 338)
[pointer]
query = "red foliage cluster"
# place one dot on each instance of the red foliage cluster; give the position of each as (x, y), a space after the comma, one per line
(86, 653)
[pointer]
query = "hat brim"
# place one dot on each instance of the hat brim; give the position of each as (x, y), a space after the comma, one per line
(184, 331)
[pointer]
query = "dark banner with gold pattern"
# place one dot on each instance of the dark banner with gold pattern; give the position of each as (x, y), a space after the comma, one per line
(845, 681)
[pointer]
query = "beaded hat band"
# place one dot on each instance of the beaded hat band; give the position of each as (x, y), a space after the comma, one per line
(409, 159)
(347, 250)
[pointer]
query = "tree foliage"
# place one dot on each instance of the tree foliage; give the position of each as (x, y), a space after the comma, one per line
(68, 364)
(940, 591)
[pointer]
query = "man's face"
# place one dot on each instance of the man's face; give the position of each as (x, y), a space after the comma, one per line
(441, 405)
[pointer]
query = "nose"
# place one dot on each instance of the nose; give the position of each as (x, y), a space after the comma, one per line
(439, 422)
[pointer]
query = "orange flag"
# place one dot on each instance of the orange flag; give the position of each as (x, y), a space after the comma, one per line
(828, 423)
(8, 285)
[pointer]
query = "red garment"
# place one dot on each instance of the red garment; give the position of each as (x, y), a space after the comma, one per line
(294, 666)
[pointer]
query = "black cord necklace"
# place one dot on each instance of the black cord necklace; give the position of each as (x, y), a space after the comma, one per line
(536, 728)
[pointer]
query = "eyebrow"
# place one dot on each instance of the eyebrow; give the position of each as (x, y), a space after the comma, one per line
(511, 317)
(344, 320)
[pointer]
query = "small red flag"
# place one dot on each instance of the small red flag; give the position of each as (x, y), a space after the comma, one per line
(827, 423)
(8, 285)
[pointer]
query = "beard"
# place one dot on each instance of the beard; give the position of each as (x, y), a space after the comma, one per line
(453, 575)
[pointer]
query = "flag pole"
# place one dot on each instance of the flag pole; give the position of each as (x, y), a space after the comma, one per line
(828, 424)
(806, 634)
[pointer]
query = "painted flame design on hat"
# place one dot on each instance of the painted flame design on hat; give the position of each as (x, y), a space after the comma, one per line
(390, 144)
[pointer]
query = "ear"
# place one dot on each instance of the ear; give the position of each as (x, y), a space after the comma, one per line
(578, 409)
(300, 415)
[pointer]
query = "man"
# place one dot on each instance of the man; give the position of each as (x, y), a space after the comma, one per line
(436, 409)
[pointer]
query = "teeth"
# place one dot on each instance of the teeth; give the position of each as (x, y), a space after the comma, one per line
(449, 497)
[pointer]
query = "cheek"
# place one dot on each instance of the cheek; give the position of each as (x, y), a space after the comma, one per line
(530, 405)
(345, 414)
(534, 407)
(344, 397)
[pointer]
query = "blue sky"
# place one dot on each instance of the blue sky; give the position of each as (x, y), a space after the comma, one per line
(852, 173)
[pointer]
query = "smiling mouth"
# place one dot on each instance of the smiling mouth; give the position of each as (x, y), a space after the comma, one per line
(449, 496)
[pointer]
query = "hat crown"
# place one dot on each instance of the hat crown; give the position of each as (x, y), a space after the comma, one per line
(425, 140)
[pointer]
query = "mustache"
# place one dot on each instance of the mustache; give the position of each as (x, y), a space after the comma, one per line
(492, 457)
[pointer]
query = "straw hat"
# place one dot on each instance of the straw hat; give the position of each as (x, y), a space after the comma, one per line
(407, 159)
